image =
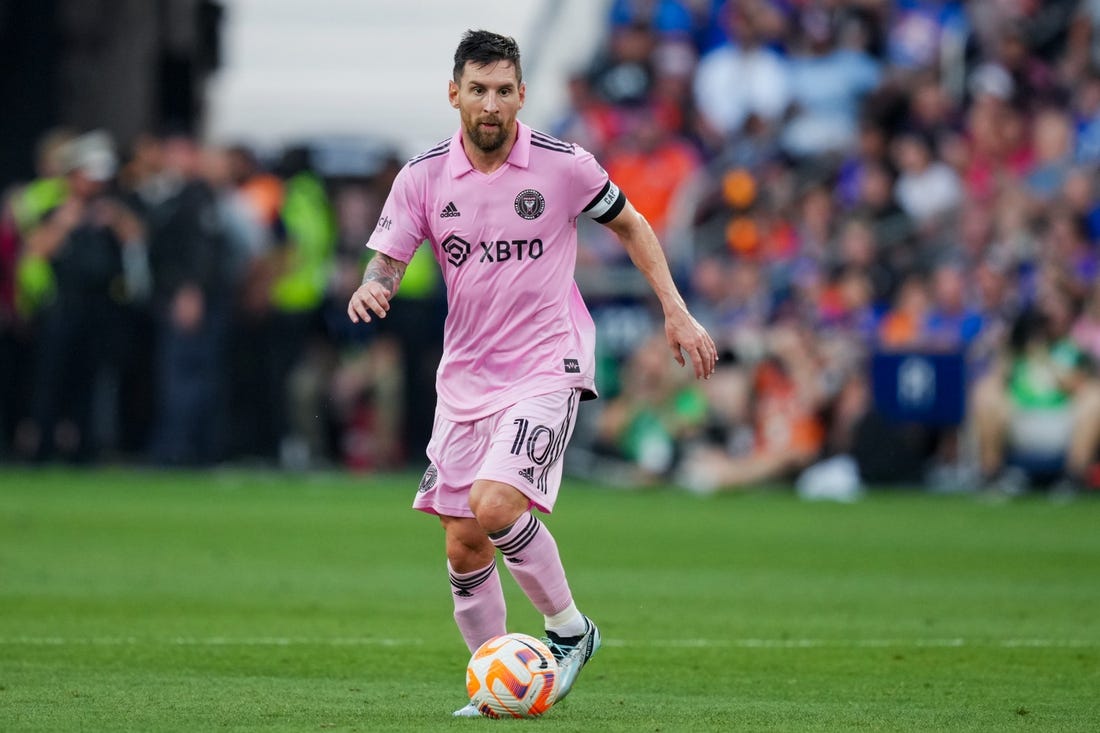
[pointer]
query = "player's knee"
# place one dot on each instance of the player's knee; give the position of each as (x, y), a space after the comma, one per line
(497, 506)
(466, 559)
(468, 547)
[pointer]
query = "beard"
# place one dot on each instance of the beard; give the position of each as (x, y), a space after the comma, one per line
(487, 141)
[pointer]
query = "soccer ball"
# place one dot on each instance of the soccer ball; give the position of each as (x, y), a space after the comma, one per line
(512, 676)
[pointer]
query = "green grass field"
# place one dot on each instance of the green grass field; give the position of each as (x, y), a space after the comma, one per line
(241, 601)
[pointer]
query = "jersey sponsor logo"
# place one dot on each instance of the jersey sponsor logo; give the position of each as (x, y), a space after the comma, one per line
(430, 477)
(456, 248)
(449, 211)
(503, 250)
(384, 223)
(572, 366)
(530, 204)
(528, 473)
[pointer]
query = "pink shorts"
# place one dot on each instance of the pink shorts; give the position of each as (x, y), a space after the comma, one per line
(521, 446)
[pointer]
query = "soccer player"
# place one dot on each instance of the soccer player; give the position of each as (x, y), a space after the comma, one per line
(498, 202)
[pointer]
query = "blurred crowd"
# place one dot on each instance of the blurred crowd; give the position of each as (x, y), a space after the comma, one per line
(832, 180)
(184, 305)
(840, 179)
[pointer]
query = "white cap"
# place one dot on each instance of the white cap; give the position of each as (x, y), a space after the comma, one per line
(93, 154)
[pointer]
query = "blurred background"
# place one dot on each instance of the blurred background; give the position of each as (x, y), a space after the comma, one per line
(885, 212)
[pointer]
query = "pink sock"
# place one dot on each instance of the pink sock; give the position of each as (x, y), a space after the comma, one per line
(479, 604)
(532, 557)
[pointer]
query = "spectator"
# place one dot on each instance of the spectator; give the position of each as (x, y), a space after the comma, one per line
(658, 409)
(256, 195)
(846, 306)
(740, 79)
(651, 165)
(788, 435)
(857, 248)
(1086, 328)
(622, 74)
(588, 120)
(1079, 196)
(682, 20)
(1086, 113)
(952, 323)
(922, 33)
(302, 266)
(671, 97)
(26, 280)
(83, 241)
(193, 262)
(1039, 409)
(1015, 240)
(997, 154)
(927, 189)
(1065, 246)
(905, 325)
(262, 191)
(747, 309)
(891, 225)
(1053, 143)
(827, 83)
(931, 112)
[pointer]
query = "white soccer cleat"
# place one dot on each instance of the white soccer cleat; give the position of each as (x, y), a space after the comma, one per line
(469, 710)
(572, 653)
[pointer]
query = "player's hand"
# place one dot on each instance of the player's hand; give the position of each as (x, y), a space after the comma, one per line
(370, 298)
(686, 336)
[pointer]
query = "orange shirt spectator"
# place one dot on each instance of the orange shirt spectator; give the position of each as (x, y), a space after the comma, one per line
(904, 325)
(650, 168)
(784, 422)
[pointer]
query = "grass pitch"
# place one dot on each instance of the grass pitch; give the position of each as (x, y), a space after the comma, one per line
(234, 601)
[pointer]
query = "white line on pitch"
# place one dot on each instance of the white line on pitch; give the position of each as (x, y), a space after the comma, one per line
(944, 643)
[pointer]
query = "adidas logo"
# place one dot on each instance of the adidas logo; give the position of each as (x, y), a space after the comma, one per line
(528, 473)
(449, 211)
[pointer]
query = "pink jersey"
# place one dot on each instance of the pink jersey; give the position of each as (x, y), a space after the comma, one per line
(507, 245)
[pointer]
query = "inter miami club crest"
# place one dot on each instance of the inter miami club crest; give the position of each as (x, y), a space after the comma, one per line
(430, 477)
(530, 204)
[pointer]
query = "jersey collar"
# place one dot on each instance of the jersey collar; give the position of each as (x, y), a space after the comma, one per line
(520, 156)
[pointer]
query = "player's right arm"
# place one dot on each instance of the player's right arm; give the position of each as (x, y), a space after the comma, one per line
(401, 228)
(380, 281)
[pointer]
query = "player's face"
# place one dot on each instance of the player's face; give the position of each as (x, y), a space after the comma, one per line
(488, 98)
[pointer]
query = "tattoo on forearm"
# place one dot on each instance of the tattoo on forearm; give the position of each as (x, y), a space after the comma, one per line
(386, 271)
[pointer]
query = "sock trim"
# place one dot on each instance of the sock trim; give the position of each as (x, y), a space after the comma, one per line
(517, 541)
(469, 581)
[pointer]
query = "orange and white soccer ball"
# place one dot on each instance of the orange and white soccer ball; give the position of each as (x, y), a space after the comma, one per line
(512, 676)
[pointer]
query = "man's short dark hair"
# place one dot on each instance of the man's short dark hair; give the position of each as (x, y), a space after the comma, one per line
(484, 47)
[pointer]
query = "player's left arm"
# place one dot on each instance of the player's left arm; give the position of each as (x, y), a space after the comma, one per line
(683, 333)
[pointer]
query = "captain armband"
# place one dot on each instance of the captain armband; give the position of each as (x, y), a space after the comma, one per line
(607, 204)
